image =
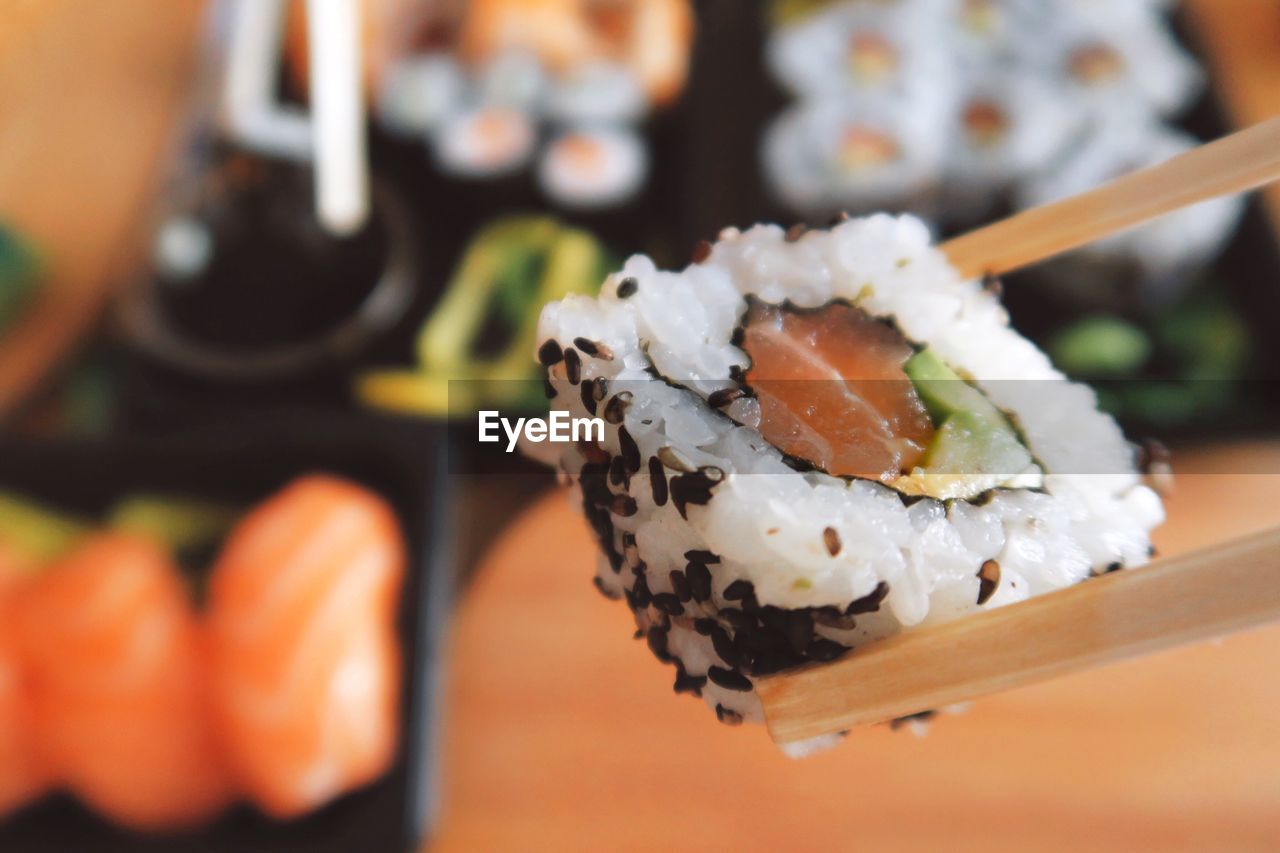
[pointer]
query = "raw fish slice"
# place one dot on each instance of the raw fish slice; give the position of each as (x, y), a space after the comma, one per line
(118, 668)
(832, 390)
(306, 658)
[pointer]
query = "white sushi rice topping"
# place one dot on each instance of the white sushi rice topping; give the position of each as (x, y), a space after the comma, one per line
(767, 523)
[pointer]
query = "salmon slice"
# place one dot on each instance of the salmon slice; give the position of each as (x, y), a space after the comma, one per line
(119, 677)
(306, 659)
(23, 776)
(832, 390)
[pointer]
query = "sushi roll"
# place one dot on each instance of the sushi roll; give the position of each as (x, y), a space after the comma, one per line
(1114, 64)
(827, 155)
(1166, 249)
(419, 92)
(593, 168)
(813, 440)
(487, 142)
(1003, 130)
(597, 92)
(890, 48)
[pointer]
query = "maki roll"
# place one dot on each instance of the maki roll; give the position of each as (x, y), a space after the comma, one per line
(485, 143)
(826, 155)
(590, 169)
(813, 440)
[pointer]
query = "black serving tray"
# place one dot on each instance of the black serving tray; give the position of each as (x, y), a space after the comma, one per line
(242, 461)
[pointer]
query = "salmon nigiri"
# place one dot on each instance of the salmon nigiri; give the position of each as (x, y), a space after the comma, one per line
(23, 776)
(119, 684)
(306, 660)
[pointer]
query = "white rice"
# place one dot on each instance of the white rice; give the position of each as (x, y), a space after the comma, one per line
(765, 522)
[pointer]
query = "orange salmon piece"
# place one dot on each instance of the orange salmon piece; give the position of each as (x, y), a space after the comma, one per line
(23, 775)
(306, 658)
(119, 675)
(832, 390)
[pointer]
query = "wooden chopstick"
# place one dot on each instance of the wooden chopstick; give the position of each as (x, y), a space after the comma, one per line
(1241, 161)
(1178, 600)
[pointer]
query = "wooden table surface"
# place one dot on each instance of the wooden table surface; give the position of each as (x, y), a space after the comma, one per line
(563, 732)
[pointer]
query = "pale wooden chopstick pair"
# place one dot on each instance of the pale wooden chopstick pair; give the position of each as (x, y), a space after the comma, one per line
(1202, 595)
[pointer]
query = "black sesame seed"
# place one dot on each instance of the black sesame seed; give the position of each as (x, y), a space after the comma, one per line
(604, 590)
(870, 602)
(658, 481)
(588, 394)
(798, 629)
(737, 620)
(694, 488)
(640, 589)
(702, 556)
(988, 580)
(831, 539)
(617, 471)
(699, 577)
(724, 647)
(616, 408)
(728, 716)
(657, 639)
(623, 506)
(680, 585)
(686, 683)
(831, 617)
(723, 397)
(738, 590)
(822, 650)
(629, 449)
(627, 287)
(701, 251)
(704, 626)
(593, 348)
(550, 353)
(572, 366)
(668, 603)
(729, 679)
(1114, 567)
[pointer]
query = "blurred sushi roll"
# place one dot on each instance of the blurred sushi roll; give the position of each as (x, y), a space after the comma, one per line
(485, 142)
(597, 92)
(593, 168)
(861, 46)
(418, 93)
(1003, 130)
(515, 80)
(1165, 248)
(791, 464)
(828, 155)
(1115, 63)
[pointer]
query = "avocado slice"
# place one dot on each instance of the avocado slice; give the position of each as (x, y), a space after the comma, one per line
(973, 436)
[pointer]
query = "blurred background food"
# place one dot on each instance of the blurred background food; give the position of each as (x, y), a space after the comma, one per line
(183, 334)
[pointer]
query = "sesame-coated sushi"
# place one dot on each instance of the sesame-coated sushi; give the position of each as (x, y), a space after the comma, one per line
(817, 439)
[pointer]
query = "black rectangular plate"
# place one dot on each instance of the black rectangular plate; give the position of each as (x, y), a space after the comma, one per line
(242, 462)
